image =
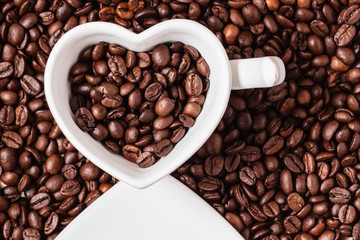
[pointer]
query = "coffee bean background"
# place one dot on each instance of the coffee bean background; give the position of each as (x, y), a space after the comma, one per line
(283, 162)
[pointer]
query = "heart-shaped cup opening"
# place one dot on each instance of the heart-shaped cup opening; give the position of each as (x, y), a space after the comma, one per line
(57, 90)
(138, 104)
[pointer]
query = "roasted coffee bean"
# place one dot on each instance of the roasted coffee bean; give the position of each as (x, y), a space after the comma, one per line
(257, 213)
(39, 201)
(295, 201)
(70, 188)
(12, 139)
(273, 145)
(247, 176)
(250, 154)
(292, 224)
(347, 214)
(350, 15)
(339, 195)
(30, 85)
(161, 55)
(6, 69)
(235, 221)
(344, 35)
(30, 234)
(294, 163)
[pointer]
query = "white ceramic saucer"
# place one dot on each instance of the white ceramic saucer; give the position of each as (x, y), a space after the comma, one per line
(167, 210)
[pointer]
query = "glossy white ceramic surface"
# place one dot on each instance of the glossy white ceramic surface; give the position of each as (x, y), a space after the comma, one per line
(167, 210)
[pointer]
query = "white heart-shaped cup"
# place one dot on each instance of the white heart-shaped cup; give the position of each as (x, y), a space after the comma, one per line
(224, 76)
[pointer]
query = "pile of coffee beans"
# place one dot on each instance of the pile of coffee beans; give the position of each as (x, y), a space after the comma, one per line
(138, 104)
(282, 164)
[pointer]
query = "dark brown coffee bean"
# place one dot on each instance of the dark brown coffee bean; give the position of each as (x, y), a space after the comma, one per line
(250, 154)
(84, 119)
(312, 182)
(153, 92)
(356, 231)
(51, 223)
(30, 85)
(292, 224)
(251, 14)
(344, 35)
(39, 201)
(193, 85)
(12, 139)
(247, 176)
(294, 163)
(117, 65)
(232, 162)
(8, 159)
(214, 165)
(256, 213)
(235, 221)
(16, 34)
(89, 171)
(271, 209)
(131, 152)
(319, 28)
(53, 164)
(145, 159)
(70, 188)
(339, 195)
(31, 234)
(344, 115)
(350, 15)
(347, 214)
(295, 201)
(160, 55)
(6, 69)
(273, 145)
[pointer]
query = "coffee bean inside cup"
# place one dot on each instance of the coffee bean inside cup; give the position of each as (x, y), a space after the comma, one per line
(138, 104)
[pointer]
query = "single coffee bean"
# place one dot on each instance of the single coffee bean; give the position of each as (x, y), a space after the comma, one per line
(30, 85)
(344, 35)
(70, 188)
(161, 55)
(294, 163)
(250, 154)
(30, 234)
(131, 152)
(214, 165)
(193, 85)
(273, 145)
(6, 69)
(146, 159)
(39, 201)
(356, 231)
(350, 15)
(12, 139)
(292, 224)
(51, 223)
(339, 195)
(247, 176)
(84, 119)
(295, 201)
(271, 209)
(347, 214)
(89, 171)
(256, 212)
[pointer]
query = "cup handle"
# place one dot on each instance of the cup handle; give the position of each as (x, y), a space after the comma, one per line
(257, 72)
